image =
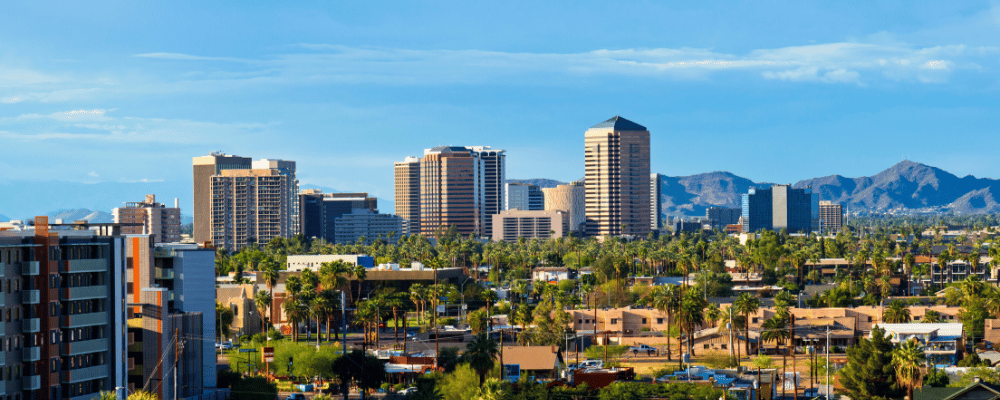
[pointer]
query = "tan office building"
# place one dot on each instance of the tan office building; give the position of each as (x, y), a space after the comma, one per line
(204, 168)
(407, 185)
(831, 217)
(250, 203)
(164, 224)
(616, 162)
(450, 188)
(569, 198)
(536, 224)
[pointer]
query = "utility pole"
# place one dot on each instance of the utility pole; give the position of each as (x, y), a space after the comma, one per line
(828, 361)
(730, 328)
(177, 357)
(343, 336)
(795, 380)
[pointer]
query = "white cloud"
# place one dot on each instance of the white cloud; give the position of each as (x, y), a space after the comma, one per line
(851, 63)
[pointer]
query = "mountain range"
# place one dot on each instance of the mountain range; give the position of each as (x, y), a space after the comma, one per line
(906, 186)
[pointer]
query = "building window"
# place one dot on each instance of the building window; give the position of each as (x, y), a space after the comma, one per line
(706, 345)
(659, 321)
(754, 320)
(643, 320)
(723, 346)
(614, 321)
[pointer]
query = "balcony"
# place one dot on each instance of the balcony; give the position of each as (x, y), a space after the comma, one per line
(164, 252)
(85, 374)
(33, 382)
(29, 297)
(91, 265)
(84, 293)
(163, 273)
(29, 354)
(29, 268)
(31, 325)
(84, 347)
(81, 320)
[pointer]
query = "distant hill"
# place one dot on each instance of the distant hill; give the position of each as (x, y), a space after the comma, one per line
(38, 198)
(540, 182)
(81, 214)
(910, 185)
(907, 185)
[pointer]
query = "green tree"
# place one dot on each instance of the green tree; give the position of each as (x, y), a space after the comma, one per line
(897, 313)
(263, 302)
(907, 359)
(869, 373)
(746, 304)
(480, 353)
(349, 368)
(224, 315)
(254, 388)
(931, 317)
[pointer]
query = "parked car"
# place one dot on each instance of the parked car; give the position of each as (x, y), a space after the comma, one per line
(227, 345)
(296, 396)
(408, 391)
(643, 348)
(591, 364)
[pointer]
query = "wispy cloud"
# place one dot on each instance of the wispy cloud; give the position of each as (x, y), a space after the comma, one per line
(99, 126)
(851, 63)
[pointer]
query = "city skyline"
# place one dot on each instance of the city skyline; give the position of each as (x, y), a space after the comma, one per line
(328, 84)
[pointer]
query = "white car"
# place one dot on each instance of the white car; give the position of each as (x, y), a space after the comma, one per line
(408, 391)
(225, 345)
(643, 348)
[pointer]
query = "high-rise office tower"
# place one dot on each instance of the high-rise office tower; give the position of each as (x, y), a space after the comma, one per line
(536, 198)
(461, 186)
(720, 217)
(831, 217)
(362, 223)
(616, 161)
(204, 168)
(253, 204)
(655, 202)
(64, 311)
(319, 212)
(450, 190)
(407, 185)
(780, 207)
(493, 168)
(157, 219)
(518, 196)
(569, 198)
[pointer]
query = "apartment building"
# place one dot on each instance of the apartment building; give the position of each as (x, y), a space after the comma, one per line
(286, 168)
(205, 167)
(407, 190)
(150, 217)
(320, 211)
(512, 225)
(63, 334)
(367, 226)
(251, 205)
(171, 308)
(571, 199)
(831, 217)
(616, 162)
(493, 164)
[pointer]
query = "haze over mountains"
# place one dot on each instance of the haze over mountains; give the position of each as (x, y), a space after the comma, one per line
(907, 186)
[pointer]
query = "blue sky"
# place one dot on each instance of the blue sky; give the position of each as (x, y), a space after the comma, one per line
(773, 91)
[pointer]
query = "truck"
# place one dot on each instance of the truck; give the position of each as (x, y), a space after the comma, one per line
(643, 348)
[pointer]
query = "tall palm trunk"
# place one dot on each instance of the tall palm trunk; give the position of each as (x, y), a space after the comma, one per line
(668, 336)
(395, 324)
(329, 317)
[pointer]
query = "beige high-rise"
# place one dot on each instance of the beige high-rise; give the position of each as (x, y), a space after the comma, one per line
(450, 187)
(831, 217)
(250, 204)
(569, 198)
(204, 168)
(158, 220)
(616, 161)
(407, 174)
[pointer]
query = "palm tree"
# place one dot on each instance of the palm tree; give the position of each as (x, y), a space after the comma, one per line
(690, 315)
(330, 298)
(296, 312)
(417, 295)
(319, 308)
(263, 302)
(480, 353)
(666, 299)
(746, 304)
(897, 313)
(907, 359)
(931, 317)
(775, 330)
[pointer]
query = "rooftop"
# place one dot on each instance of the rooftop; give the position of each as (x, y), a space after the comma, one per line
(619, 124)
